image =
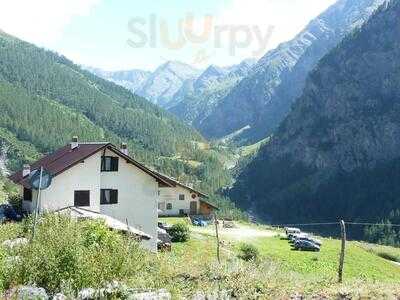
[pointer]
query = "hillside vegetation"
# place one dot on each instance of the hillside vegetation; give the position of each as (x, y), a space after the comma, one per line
(336, 155)
(67, 256)
(45, 99)
(262, 99)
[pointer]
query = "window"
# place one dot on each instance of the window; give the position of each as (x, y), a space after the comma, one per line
(169, 206)
(27, 194)
(109, 164)
(108, 196)
(181, 212)
(82, 198)
(181, 197)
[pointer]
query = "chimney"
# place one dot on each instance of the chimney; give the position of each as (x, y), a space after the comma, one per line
(74, 142)
(124, 149)
(26, 171)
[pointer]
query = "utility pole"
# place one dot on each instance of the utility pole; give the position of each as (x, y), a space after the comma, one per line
(37, 208)
(342, 251)
(217, 235)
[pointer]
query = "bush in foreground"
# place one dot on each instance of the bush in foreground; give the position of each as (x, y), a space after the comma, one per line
(66, 255)
(248, 252)
(179, 232)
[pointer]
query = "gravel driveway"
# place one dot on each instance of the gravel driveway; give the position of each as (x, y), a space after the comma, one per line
(240, 233)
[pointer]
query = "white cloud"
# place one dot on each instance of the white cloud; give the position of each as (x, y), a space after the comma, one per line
(41, 21)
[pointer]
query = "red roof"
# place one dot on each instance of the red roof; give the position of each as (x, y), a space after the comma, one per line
(65, 158)
(175, 182)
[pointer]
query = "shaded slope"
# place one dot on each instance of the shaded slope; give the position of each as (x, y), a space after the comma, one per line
(336, 155)
(263, 98)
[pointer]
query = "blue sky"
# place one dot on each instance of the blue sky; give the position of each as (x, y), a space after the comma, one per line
(106, 33)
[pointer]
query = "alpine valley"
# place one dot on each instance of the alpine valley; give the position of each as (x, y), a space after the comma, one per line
(315, 116)
(328, 99)
(336, 155)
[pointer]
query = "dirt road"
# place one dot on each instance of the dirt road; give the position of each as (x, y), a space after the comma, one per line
(240, 233)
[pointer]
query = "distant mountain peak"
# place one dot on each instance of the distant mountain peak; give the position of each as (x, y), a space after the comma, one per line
(214, 70)
(198, 97)
(165, 81)
(264, 97)
(336, 154)
(131, 79)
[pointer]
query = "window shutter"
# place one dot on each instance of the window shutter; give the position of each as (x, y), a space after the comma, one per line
(114, 196)
(114, 164)
(103, 163)
(82, 198)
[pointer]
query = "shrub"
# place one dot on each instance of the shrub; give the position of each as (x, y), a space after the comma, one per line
(248, 252)
(179, 232)
(9, 231)
(66, 255)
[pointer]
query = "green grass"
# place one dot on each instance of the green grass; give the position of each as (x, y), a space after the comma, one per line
(359, 263)
(362, 261)
(79, 253)
(252, 149)
(282, 272)
(173, 220)
(386, 252)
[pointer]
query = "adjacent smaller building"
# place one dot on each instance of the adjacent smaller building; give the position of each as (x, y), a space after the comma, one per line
(179, 199)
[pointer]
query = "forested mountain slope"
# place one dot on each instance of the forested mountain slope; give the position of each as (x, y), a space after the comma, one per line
(263, 98)
(336, 156)
(45, 99)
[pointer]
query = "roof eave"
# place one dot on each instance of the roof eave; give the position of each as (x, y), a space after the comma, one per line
(141, 166)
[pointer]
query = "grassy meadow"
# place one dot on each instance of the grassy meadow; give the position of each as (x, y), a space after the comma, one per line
(67, 256)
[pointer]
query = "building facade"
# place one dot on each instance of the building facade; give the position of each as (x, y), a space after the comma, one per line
(100, 178)
(182, 200)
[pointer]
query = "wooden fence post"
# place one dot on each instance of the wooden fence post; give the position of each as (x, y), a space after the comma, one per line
(217, 235)
(342, 251)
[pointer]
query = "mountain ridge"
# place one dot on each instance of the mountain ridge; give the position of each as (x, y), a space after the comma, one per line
(197, 98)
(45, 99)
(336, 154)
(263, 98)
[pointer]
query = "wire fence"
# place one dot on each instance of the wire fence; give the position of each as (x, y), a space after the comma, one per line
(344, 230)
(333, 223)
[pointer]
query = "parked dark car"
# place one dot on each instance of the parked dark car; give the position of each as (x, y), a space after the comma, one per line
(294, 237)
(8, 213)
(310, 239)
(304, 245)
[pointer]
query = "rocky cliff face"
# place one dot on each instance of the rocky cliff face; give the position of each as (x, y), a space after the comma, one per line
(166, 81)
(158, 87)
(198, 97)
(337, 154)
(129, 79)
(264, 97)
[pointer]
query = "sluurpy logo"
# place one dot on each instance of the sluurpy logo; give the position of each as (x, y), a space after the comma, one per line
(154, 31)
